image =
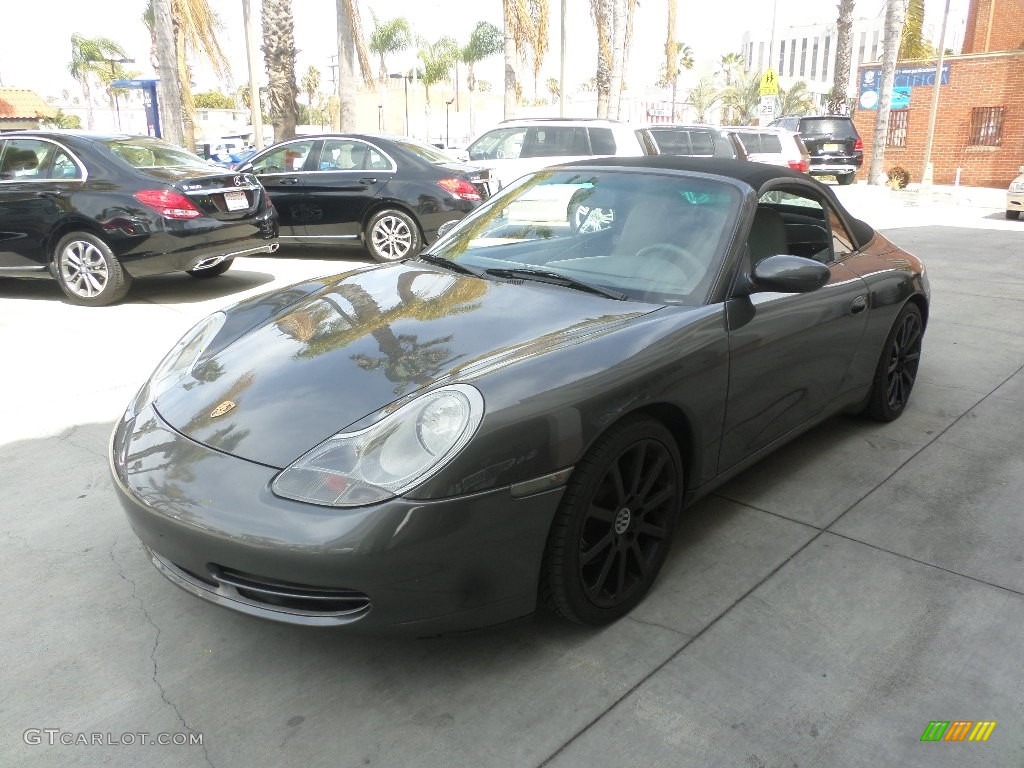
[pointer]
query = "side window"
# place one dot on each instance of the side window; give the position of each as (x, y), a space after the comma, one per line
(25, 159)
(63, 167)
(377, 161)
(555, 141)
(842, 243)
(287, 159)
(702, 143)
(344, 155)
(672, 142)
(602, 141)
(770, 143)
(751, 141)
(795, 221)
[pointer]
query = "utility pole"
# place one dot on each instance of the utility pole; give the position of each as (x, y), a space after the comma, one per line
(255, 103)
(926, 172)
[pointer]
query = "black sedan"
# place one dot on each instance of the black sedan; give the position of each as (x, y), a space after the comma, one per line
(96, 211)
(389, 193)
(518, 415)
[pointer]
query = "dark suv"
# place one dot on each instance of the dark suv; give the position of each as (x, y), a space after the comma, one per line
(691, 141)
(832, 142)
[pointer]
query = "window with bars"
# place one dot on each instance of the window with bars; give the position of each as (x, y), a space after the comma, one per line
(987, 126)
(896, 136)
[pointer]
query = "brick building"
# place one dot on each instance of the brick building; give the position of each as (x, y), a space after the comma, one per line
(979, 127)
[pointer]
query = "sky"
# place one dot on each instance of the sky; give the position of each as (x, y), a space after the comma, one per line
(40, 62)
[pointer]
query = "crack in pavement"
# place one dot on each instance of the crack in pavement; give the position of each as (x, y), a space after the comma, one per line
(152, 653)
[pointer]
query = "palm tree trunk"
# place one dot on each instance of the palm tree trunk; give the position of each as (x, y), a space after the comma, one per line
(169, 90)
(627, 47)
(618, 42)
(511, 79)
(346, 72)
(601, 12)
(894, 18)
(837, 101)
(188, 105)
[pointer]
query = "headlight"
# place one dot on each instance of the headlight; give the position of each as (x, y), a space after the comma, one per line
(178, 363)
(1017, 186)
(394, 455)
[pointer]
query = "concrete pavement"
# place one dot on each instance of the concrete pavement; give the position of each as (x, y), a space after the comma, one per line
(820, 610)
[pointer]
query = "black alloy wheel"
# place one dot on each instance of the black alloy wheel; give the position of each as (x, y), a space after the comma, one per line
(897, 367)
(614, 526)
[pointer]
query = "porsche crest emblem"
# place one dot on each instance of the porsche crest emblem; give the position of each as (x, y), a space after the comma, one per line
(221, 409)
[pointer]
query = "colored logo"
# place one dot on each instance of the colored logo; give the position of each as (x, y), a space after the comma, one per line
(958, 730)
(221, 409)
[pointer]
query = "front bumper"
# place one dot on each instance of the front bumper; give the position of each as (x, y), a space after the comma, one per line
(213, 527)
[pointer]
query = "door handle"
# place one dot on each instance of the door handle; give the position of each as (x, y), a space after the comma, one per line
(368, 180)
(858, 305)
(48, 193)
(292, 180)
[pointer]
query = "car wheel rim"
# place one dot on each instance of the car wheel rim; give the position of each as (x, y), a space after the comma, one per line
(904, 357)
(627, 524)
(392, 238)
(83, 269)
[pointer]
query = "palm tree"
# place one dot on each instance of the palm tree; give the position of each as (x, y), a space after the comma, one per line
(627, 47)
(438, 59)
(796, 100)
(170, 103)
(518, 33)
(729, 68)
(554, 89)
(670, 68)
(618, 44)
(703, 98)
(352, 53)
(196, 29)
(837, 99)
(894, 18)
(601, 13)
(387, 38)
(279, 53)
(742, 100)
(683, 59)
(311, 84)
(538, 41)
(486, 40)
(912, 42)
(89, 59)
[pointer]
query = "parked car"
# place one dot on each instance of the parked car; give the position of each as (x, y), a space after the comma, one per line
(1015, 196)
(96, 211)
(517, 416)
(691, 141)
(389, 193)
(775, 146)
(832, 141)
(517, 147)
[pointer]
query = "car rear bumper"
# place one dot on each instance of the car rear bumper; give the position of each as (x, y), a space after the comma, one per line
(1015, 201)
(211, 525)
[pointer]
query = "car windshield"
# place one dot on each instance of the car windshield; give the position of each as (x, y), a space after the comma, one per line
(646, 236)
(827, 126)
(142, 152)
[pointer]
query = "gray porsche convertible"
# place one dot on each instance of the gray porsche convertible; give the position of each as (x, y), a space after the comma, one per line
(516, 416)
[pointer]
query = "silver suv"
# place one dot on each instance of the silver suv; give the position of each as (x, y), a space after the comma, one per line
(517, 147)
(775, 146)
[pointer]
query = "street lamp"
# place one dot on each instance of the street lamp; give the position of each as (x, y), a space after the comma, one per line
(113, 73)
(407, 78)
(447, 141)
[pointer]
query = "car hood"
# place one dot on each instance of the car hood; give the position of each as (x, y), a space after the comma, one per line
(365, 340)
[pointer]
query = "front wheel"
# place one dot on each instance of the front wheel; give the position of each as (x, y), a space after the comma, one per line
(897, 366)
(217, 269)
(392, 235)
(88, 271)
(614, 526)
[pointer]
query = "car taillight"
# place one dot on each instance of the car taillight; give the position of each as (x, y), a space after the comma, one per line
(460, 188)
(858, 144)
(169, 204)
(798, 165)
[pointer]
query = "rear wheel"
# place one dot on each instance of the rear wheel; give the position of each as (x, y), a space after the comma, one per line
(392, 235)
(217, 269)
(897, 367)
(1013, 214)
(614, 526)
(88, 272)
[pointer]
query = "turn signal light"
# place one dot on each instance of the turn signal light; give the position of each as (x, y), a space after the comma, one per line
(460, 188)
(858, 144)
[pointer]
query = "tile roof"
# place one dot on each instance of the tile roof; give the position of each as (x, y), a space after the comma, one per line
(22, 104)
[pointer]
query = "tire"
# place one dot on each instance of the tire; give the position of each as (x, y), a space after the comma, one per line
(1013, 214)
(613, 528)
(213, 271)
(845, 179)
(391, 235)
(897, 366)
(88, 272)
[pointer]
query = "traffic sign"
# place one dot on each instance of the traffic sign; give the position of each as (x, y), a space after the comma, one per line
(769, 83)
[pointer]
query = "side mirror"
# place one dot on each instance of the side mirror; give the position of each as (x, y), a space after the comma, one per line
(445, 228)
(461, 155)
(789, 274)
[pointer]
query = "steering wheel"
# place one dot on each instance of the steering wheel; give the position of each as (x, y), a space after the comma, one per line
(677, 258)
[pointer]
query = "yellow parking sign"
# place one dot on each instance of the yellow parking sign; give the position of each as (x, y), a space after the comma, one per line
(769, 83)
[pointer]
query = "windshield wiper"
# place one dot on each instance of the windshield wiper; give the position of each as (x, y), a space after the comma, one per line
(555, 278)
(454, 266)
